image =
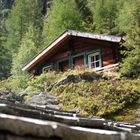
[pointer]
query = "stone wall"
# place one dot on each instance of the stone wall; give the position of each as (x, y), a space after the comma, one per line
(22, 122)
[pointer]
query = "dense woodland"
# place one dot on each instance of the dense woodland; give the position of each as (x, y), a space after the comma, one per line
(28, 26)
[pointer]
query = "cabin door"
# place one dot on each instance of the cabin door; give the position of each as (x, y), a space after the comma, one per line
(64, 66)
(78, 62)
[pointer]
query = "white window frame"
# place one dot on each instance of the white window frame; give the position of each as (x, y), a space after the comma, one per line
(47, 68)
(89, 60)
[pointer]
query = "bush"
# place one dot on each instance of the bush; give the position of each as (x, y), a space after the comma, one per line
(43, 82)
(131, 64)
(19, 82)
(105, 98)
(102, 98)
(46, 81)
(15, 83)
(4, 85)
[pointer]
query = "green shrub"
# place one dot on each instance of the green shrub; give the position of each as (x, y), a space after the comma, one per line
(43, 82)
(15, 83)
(102, 98)
(106, 98)
(19, 82)
(4, 85)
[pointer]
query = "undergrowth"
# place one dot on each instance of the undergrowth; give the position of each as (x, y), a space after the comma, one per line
(114, 99)
(101, 98)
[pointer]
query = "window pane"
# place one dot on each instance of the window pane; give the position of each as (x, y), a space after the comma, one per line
(92, 59)
(93, 65)
(97, 64)
(97, 57)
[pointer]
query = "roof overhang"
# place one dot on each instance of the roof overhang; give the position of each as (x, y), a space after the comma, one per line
(64, 36)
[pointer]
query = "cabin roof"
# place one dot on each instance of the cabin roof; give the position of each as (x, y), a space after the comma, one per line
(29, 65)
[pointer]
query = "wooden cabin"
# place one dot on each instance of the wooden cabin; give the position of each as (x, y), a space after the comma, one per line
(74, 49)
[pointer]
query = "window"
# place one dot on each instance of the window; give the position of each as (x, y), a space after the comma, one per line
(94, 60)
(64, 65)
(47, 68)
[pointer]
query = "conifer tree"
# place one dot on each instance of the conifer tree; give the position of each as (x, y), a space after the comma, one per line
(85, 9)
(26, 51)
(25, 14)
(4, 54)
(22, 14)
(105, 13)
(131, 64)
(63, 15)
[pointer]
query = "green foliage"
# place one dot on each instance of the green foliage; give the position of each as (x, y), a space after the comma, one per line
(25, 20)
(17, 23)
(105, 13)
(43, 82)
(131, 64)
(63, 15)
(24, 26)
(46, 81)
(84, 10)
(4, 54)
(128, 15)
(16, 83)
(129, 114)
(4, 85)
(19, 82)
(26, 51)
(4, 62)
(102, 98)
(103, 16)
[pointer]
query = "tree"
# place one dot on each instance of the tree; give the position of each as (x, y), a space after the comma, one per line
(63, 15)
(84, 10)
(131, 64)
(125, 16)
(4, 54)
(26, 51)
(4, 57)
(22, 14)
(86, 13)
(105, 13)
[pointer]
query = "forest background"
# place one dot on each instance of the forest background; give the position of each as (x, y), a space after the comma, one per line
(28, 26)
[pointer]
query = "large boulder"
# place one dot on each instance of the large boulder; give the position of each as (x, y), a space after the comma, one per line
(11, 96)
(45, 100)
(69, 79)
(90, 76)
(87, 76)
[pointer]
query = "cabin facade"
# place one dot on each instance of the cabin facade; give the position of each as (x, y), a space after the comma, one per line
(73, 49)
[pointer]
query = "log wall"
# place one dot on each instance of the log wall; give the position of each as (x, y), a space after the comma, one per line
(77, 45)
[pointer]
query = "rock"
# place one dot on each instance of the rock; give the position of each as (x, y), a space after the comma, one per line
(23, 94)
(75, 110)
(43, 100)
(69, 79)
(137, 112)
(33, 123)
(11, 96)
(87, 76)
(22, 128)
